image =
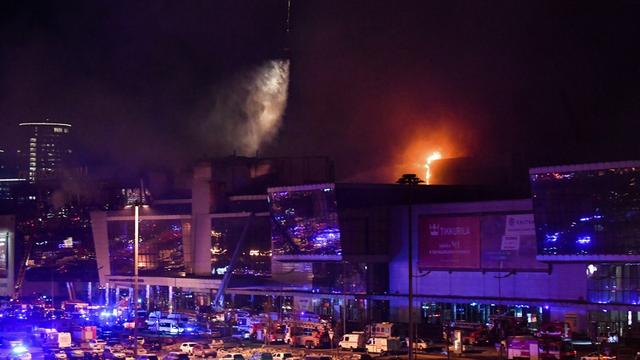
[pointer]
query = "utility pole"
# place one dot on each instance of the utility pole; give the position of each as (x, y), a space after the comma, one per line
(411, 180)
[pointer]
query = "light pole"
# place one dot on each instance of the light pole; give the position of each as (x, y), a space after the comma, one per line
(136, 240)
(136, 233)
(411, 180)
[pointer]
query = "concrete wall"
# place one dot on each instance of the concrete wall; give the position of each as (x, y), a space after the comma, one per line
(200, 247)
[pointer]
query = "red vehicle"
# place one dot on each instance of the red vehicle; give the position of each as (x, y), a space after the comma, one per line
(307, 334)
(557, 349)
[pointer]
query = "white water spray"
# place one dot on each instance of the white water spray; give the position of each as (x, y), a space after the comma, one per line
(247, 111)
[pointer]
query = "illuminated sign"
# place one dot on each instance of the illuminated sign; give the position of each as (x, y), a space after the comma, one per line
(491, 242)
(449, 242)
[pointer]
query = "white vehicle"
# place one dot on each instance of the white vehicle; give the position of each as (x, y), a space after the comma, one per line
(283, 356)
(420, 344)
(170, 327)
(188, 347)
(352, 341)
(54, 339)
(60, 355)
(380, 345)
(178, 317)
(383, 329)
(97, 344)
(154, 318)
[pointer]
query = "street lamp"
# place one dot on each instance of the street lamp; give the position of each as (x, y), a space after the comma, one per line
(136, 235)
(136, 240)
(410, 180)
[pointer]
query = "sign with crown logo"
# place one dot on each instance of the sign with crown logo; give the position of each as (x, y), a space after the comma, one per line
(449, 242)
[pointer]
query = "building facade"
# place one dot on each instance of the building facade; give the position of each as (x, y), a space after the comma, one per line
(569, 253)
(46, 151)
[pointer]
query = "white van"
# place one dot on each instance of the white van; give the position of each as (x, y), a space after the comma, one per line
(381, 345)
(181, 318)
(154, 318)
(354, 340)
(170, 327)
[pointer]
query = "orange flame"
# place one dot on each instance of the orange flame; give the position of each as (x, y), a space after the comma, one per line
(436, 155)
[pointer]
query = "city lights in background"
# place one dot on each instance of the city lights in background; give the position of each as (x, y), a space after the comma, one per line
(436, 155)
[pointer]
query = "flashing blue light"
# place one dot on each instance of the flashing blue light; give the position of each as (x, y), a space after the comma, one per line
(552, 237)
(584, 240)
(546, 307)
(584, 219)
(189, 329)
(19, 349)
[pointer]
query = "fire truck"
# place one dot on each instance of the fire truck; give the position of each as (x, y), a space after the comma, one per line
(308, 334)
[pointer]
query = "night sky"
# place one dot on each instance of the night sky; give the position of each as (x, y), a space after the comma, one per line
(376, 85)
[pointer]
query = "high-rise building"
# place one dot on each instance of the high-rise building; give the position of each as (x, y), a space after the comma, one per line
(47, 150)
(3, 163)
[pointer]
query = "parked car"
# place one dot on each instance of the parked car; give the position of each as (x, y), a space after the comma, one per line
(97, 344)
(147, 357)
(262, 356)
(361, 356)
(176, 355)
(421, 344)
(597, 356)
(187, 347)
(217, 343)
(232, 356)
(205, 351)
(282, 356)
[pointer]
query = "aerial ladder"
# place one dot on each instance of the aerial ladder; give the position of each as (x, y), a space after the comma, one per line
(227, 275)
(23, 268)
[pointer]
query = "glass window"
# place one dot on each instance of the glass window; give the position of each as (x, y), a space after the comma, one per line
(160, 247)
(305, 224)
(613, 283)
(254, 257)
(587, 212)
